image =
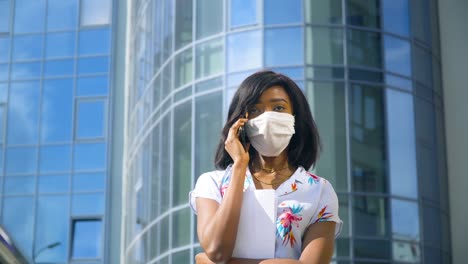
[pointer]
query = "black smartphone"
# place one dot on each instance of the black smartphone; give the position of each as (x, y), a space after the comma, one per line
(243, 136)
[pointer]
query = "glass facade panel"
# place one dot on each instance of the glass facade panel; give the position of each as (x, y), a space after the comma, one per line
(52, 228)
(88, 204)
(22, 71)
(372, 249)
(422, 66)
(324, 45)
(404, 252)
(367, 128)
(60, 45)
(182, 157)
(280, 39)
(90, 156)
(4, 48)
(183, 23)
(4, 72)
(397, 55)
(20, 222)
(29, 16)
(210, 58)
(55, 68)
(93, 65)
(91, 119)
(181, 257)
(208, 123)
(244, 51)
(363, 13)
(61, 14)
(405, 220)
(183, 68)
(57, 109)
(420, 20)
(4, 16)
(181, 227)
(83, 182)
(28, 47)
(21, 160)
(243, 12)
(59, 183)
(94, 41)
(396, 18)
(23, 113)
(87, 239)
(401, 144)
(165, 164)
(19, 185)
(92, 86)
(209, 17)
(95, 12)
(364, 49)
(55, 158)
(370, 217)
(283, 12)
(327, 102)
(323, 12)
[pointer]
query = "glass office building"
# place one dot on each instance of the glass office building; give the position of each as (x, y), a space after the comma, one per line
(55, 101)
(371, 72)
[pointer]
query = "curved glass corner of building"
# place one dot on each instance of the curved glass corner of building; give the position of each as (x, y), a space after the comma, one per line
(371, 73)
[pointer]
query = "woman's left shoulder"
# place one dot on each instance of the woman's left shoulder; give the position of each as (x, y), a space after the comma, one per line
(312, 179)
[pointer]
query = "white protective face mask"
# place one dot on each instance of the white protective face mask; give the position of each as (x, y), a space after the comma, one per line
(270, 132)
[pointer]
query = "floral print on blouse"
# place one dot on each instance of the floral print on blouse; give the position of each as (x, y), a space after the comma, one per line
(304, 199)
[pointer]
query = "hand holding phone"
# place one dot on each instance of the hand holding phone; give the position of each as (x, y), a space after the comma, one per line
(243, 135)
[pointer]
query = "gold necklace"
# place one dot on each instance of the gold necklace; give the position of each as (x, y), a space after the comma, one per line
(271, 170)
(271, 183)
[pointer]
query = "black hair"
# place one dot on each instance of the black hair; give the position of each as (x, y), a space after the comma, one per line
(304, 147)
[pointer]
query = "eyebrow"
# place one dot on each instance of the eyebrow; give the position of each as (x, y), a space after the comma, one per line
(273, 100)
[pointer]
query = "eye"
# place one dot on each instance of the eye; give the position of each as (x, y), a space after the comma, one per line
(253, 110)
(279, 108)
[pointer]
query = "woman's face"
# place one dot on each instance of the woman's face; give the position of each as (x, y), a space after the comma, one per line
(275, 99)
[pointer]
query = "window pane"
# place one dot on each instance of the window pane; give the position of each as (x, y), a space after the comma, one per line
(281, 39)
(397, 55)
(60, 45)
(420, 20)
(370, 216)
(364, 13)
(92, 86)
(243, 12)
(2, 121)
(209, 17)
(4, 71)
(405, 220)
(57, 68)
(20, 223)
(61, 14)
(182, 152)
(4, 48)
(181, 257)
(364, 48)
(3, 95)
(282, 12)
(209, 58)
(54, 183)
(91, 156)
(57, 110)
(94, 41)
(327, 102)
(27, 47)
(165, 164)
(432, 230)
(21, 160)
(23, 113)
(89, 181)
(324, 46)
(183, 23)
(91, 119)
(19, 185)
(244, 51)
(323, 12)
(183, 68)
(371, 249)
(87, 239)
(167, 30)
(88, 204)
(4, 16)
(367, 139)
(52, 228)
(407, 252)
(95, 12)
(208, 121)
(93, 65)
(396, 16)
(422, 65)
(21, 71)
(395, 81)
(29, 16)
(401, 144)
(55, 158)
(181, 228)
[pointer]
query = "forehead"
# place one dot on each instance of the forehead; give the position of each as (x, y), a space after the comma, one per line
(274, 92)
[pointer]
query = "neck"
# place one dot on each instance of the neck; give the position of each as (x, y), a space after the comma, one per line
(273, 163)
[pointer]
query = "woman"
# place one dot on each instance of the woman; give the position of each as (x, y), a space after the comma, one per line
(284, 144)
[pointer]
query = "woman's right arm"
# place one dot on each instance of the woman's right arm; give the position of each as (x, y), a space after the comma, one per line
(217, 223)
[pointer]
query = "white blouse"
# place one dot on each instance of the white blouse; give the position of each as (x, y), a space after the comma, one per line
(303, 199)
